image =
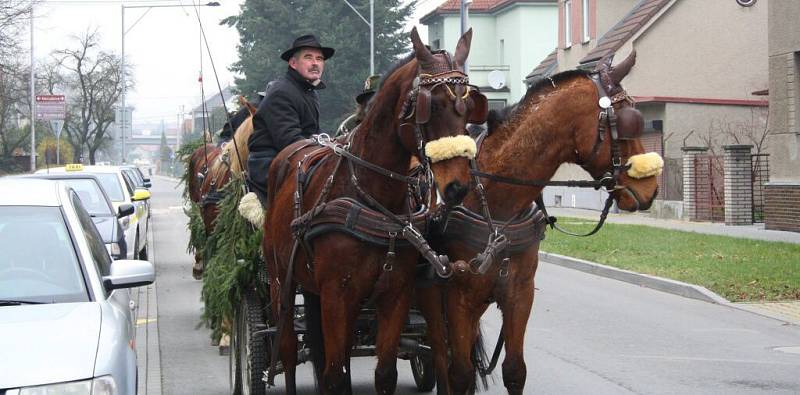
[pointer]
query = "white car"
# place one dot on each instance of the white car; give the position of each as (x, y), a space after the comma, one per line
(66, 317)
(120, 189)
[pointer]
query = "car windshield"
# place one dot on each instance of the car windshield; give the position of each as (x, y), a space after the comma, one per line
(91, 196)
(111, 184)
(38, 263)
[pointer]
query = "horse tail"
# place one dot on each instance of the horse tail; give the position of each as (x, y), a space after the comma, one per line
(480, 360)
(313, 337)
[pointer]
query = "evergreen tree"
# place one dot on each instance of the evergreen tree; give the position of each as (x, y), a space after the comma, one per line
(268, 27)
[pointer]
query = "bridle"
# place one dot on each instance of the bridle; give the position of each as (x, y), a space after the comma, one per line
(608, 120)
(417, 102)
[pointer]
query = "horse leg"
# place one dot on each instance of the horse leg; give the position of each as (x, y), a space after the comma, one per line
(462, 331)
(516, 307)
(392, 310)
(429, 302)
(287, 343)
(339, 308)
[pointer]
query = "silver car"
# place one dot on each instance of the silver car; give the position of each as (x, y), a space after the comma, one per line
(66, 317)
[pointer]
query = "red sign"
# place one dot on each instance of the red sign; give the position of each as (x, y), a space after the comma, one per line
(50, 107)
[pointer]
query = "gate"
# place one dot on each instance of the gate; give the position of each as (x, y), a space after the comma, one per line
(760, 177)
(710, 188)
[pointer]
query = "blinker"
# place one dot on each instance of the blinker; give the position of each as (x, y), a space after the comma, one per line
(630, 123)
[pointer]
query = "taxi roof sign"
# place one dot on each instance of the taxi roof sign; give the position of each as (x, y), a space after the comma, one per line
(73, 167)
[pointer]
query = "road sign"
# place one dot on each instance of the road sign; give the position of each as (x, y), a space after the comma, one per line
(50, 107)
(123, 120)
(57, 124)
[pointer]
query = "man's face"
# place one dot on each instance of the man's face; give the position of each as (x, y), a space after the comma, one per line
(309, 62)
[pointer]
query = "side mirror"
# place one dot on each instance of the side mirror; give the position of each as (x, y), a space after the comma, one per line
(129, 273)
(140, 194)
(147, 183)
(125, 209)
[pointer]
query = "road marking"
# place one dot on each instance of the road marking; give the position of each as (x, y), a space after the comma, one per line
(144, 321)
(789, 350)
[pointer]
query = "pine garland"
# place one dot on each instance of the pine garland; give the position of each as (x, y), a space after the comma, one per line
(197, 230)
(233, 252)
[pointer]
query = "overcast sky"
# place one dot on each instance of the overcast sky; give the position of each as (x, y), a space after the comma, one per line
(163, 47)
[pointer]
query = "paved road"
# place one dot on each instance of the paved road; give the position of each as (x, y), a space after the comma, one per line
(588, 334)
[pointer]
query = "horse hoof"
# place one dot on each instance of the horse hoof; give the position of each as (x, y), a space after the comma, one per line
(197, 274)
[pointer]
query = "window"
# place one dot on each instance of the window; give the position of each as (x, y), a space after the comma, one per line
(795, 91)
(38, 261)
(567, 23)
(497, 104)
(585, 13)
(100, 257)
(502, 49)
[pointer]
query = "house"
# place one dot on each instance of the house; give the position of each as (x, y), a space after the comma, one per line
(782, 194)
(698, 65)
(509, 38)
(210, 114)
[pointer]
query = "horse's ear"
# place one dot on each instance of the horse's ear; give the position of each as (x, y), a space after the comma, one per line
(462, 48)
(604, 63)
(619, 71)
(421, 52)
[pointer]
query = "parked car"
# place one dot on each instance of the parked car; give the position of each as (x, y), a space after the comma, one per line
(99, 206)
(120, 189)
(139, 181)
(66, 316)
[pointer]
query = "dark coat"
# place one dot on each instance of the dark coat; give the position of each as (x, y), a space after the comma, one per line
(289, 112)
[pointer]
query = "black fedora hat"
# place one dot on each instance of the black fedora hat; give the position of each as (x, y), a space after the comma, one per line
(310, 41)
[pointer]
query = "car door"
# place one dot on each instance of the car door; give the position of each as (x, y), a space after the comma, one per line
(141, 210)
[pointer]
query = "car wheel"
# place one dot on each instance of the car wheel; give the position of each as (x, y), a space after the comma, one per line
(143, 253)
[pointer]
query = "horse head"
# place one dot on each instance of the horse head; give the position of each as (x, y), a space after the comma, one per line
(612, 149)
(439, 104)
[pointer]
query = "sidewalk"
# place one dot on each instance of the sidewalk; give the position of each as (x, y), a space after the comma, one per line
(788, 312)
(755, 231)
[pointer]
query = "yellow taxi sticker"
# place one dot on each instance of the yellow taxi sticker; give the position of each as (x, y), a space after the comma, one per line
(73, 167)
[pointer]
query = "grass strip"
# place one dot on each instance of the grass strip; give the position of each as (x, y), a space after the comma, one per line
(740, 270)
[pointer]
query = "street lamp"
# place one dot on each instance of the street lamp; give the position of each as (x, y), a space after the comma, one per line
(123, 110)
(371, 24)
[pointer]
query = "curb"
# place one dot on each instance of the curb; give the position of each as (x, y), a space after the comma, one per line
(645, 280)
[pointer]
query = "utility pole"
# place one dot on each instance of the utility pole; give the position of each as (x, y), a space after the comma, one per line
(33, 102)
(465, 24)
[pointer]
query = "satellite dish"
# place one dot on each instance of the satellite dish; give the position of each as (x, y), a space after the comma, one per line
(497, 79)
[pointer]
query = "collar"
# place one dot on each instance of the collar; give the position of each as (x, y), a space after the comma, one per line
(301, 82)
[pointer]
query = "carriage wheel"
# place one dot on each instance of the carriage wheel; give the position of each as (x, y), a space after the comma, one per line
(234, 368)
(252, 349)
(422, 369)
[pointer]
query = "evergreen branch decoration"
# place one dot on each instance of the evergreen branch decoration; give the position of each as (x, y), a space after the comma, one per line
(233, 251)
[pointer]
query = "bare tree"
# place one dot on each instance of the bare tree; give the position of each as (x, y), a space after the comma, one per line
(14, 16)
(93, 78)
(14, 104)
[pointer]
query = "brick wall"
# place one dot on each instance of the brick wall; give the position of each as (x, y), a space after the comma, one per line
(738, 185)
(782, 206)
(689, 181)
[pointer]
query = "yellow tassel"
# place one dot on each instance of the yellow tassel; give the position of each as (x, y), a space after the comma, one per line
(451, 147)
(645, 165)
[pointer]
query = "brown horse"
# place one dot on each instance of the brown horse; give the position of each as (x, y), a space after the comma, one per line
(210, 169)
(337, 270)
(556, 122)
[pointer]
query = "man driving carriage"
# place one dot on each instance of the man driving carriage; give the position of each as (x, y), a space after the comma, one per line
(290, 110)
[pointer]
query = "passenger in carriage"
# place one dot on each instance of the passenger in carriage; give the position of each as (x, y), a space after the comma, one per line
(362, 99)
(293, 110)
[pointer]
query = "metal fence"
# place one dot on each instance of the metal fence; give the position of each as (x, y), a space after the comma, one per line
(760, 177)
(710, 188)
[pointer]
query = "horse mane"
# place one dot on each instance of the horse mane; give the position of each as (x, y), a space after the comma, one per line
(496, 118)
(230, 149)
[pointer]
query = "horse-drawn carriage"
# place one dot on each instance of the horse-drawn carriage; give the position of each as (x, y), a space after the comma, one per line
(342, 231)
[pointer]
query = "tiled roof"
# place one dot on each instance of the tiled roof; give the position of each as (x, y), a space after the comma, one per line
(477, 6)
(548, 65)
(626, 28)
